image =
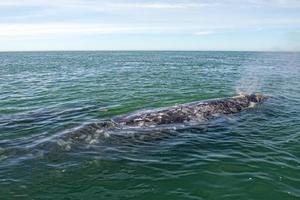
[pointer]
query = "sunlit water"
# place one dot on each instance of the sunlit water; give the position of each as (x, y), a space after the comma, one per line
(254, 154)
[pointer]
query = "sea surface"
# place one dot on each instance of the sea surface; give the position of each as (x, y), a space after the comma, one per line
(44, 96)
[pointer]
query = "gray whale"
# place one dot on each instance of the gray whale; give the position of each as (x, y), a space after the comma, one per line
(179, 114)
(194, 111)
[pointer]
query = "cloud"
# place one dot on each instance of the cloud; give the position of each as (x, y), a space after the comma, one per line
(101, 5)
(49, 29)
(29, 3)
(204, 33)
(150, 4)
(129, 6)
(157, 5)
(275, 2)
(14, 30)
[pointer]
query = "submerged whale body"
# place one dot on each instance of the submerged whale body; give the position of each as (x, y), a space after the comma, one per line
(179, 114)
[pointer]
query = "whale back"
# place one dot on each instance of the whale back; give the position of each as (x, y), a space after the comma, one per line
(194, 111)
(132, 125)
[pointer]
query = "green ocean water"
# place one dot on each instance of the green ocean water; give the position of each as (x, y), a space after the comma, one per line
(254, 154)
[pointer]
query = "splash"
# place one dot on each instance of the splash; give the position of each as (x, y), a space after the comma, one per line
(251, 81)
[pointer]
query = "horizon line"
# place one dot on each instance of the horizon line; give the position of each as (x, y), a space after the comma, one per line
(148, 50)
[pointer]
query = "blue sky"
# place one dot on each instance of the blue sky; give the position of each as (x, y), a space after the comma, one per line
(263, 25)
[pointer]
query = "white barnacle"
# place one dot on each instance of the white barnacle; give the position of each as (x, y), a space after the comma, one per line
(252, 104)
(99, 131)
(82, 137)
(68, 147)
(93, 141)
(141, 123)
(106, 134)
(88, 138)
(199, 116)
(160, 114)
(137, 119)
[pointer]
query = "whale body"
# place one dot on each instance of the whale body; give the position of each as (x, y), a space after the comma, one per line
(194, 111)
(179, 114)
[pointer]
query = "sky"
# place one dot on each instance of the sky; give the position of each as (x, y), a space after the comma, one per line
(230, 25)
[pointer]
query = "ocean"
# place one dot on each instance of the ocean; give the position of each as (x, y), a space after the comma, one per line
(254, 154)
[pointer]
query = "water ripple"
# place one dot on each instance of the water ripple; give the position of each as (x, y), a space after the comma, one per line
(46, 95)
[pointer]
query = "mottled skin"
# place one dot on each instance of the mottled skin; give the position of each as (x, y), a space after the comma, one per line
(194, 111)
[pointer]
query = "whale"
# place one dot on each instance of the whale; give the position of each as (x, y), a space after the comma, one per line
(141, 127)
(188, 113)
(193, 111)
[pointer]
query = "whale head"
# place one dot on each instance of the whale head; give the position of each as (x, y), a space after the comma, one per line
(256, 98)
(253, 98)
